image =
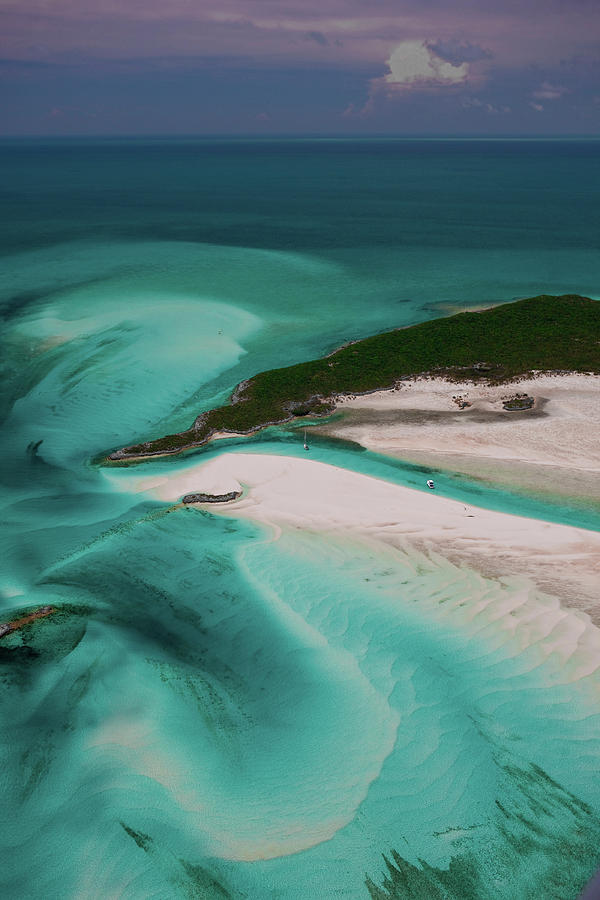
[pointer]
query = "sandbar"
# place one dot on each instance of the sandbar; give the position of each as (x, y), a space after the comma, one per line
(290, 492)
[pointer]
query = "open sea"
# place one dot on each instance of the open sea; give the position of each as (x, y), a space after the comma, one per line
(213, 714)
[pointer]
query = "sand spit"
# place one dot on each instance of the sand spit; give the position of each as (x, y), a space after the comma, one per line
(286, 492)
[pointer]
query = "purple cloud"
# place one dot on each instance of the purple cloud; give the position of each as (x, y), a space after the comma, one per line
(467, 31)
(457, 52)
(318, 37)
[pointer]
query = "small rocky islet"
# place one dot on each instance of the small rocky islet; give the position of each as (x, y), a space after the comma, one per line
(210, 498)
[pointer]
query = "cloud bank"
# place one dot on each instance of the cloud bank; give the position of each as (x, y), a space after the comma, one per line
(188, 65)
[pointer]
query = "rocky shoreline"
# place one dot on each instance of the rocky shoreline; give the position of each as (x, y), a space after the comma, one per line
(15, 624)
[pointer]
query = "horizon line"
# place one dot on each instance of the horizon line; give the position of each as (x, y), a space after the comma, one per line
(306, 136)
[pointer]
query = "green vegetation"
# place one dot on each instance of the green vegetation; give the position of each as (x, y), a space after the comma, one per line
(542, 333)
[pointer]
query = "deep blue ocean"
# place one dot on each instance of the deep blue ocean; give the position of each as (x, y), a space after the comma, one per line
(214, 714)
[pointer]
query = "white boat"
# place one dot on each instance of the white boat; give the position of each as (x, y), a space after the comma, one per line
(305, 444)
(431, 485)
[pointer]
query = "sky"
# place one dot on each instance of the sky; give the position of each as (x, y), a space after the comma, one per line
(266, 67)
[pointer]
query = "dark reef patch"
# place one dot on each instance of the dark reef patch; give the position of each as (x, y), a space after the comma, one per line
(541, 834)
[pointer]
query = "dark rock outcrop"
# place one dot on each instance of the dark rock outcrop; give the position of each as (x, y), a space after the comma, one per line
(518, 402)
(211, 498)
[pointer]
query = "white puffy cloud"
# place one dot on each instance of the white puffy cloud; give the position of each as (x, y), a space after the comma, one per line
(415, 64)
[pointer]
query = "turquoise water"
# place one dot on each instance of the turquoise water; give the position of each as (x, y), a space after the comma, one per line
(214, 714)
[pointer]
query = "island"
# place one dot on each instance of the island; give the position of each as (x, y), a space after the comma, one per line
(493, 346)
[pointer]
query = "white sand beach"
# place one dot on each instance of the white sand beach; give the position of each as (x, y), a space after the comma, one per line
(554, 447)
